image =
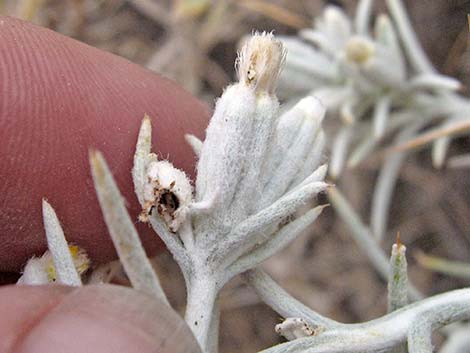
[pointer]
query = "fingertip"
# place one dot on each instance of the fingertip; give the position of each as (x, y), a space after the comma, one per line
(107, 319)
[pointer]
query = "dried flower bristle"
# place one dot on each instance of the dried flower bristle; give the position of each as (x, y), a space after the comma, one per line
(260, 62)
(80, 261)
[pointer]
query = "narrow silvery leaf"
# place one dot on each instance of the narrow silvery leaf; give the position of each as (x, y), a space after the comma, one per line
(435, 81)
(385, 184)
(142, 151)
(288, 127)
(304, 58)
(381, 115)
(294, 83)
(332, 96)
(338, 26)
(340, 150)
(414, 51)
(382, 68)
(319, 174)
(313, 160)
(398, 279)
(292, 158)
(319, 39)
(313, 64)
(346, 111)
(359, 231)
(122, 230)
(195, 143)
(252, 231)
(361, 151)
(363, 16)
(386, 35)
(58, 247)
(276, 242)
(439, 151)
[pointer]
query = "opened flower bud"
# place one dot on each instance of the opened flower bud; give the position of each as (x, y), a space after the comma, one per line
(168, 192)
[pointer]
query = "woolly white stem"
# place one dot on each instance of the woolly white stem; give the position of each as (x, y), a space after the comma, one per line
(202, 293)
(122, 230)
(213, 342)
(419, 336)
(171, 241)
(57, 245)
(384, 333)
(283, 303)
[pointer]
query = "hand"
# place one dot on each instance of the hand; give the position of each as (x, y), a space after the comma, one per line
(58, 98)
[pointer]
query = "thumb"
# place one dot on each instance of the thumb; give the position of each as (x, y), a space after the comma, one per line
(105, 318)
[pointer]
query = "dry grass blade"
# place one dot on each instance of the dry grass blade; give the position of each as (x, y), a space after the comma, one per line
(122, 231)
(153, 10)
(454, 129)
(444, 266)
(27, 9)
(276, 13)
(462, 161)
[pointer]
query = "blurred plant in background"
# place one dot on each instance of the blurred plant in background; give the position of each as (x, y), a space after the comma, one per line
(383, 87)
(378, 82)
(184, 35)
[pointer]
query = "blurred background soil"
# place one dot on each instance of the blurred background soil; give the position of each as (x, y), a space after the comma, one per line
(194, 42)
